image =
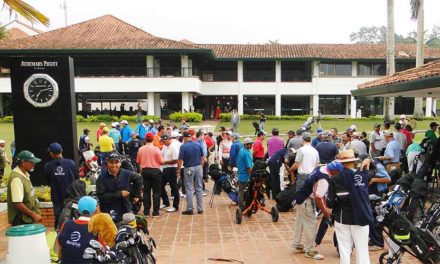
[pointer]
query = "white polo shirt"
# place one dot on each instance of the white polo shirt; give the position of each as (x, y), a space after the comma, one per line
(171, 152)
(308, 158)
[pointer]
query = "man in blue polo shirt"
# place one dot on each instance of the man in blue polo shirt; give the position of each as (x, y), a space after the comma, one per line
(60, 173)
(125, 133)
(191, 157)
(244, 164)
(235, 150)
(391, 157)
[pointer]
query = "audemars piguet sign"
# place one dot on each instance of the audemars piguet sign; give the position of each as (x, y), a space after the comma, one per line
(43, 103)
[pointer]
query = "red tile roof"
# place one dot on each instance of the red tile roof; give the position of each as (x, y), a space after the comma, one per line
(106, 32)
(327, 51)
(424, 71)
(16, 33)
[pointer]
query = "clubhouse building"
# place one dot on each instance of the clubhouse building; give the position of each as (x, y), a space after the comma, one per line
(116, 62)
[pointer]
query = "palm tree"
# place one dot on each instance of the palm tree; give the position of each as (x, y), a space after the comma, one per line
(27, 11)
(391, 68)
(417, 13)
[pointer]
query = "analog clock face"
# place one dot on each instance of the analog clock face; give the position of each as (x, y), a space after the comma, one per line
(41, 90)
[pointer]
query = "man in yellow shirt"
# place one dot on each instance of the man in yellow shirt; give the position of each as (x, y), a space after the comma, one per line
(107, 146)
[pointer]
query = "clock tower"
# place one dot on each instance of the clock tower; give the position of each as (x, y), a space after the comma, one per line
(44, 108)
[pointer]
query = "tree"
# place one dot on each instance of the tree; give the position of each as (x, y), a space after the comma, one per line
(368, 35)
(3, 33)
(28, 12)
(391, 67)
(273, 42)
(417, 13)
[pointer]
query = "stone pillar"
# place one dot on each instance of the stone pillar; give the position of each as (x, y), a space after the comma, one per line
(150, 108)
(353, 107)
(84, 105)
(278, 104)
(240, 71)
(150, 66)
(315, 68)
(278, 71)
(428, 106)
(185, 101)
(184, 64)
(434, 106)
(157, 106)
(315, 104)
(240, 99)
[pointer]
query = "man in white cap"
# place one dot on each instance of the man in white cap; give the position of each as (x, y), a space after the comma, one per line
(391, 157)
(403, 121)
(3, 158)
(115, 135)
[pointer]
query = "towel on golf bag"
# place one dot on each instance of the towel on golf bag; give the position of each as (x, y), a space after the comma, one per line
(285, 198)
(103, 225)
(226, 185)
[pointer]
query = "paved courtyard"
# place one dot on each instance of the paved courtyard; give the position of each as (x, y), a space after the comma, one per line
(215, 235)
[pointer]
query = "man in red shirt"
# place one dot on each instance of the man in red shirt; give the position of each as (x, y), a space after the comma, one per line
(407, 131)
(150, 159)
(258, 148)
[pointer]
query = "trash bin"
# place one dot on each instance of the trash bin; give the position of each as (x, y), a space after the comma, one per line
(27, 245)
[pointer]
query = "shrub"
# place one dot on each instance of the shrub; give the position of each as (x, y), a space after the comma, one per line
(190, 117)
(80, 118)
(7, 119)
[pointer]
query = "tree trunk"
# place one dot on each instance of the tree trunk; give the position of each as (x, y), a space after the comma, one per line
(418, 101)
(389, 102)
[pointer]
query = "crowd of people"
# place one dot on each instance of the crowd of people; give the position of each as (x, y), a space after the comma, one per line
(332, 164)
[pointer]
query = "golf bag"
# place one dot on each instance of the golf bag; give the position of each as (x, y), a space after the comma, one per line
(222, 183)
(75, 191)
(285, 198)
(89, 168)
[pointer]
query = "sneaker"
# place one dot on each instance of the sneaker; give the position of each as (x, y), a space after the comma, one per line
(163, 206)
(171, 209)
(188, 212)
(297, 249)
(313, 255)
(204, 194)
(200, 212)
(375, 248)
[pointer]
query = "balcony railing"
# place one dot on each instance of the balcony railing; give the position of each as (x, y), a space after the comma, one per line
(134, 72)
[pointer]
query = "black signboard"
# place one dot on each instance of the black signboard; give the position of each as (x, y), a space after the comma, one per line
(43, 105)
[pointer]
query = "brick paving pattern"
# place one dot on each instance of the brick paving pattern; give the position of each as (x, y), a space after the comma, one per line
(196, 239)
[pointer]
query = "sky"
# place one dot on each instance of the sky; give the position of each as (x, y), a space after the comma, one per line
(240, 21)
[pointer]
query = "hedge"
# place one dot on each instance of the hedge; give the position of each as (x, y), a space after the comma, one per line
(109, 118)
(190, 117)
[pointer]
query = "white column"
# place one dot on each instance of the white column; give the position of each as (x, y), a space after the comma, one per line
(184, 64)
(240, 103)
(157, 107)
(315, 68)
(278, 104)
(185, 101)
(150, 108)
(240, 71)
(190, 68)
(191, 101)
(428, 106)
(240, 96)
(278, 71)
(315, 104)
(353, 107)
(2, 113)
(156, 66)
(150, 66)
(434, 105)
(354, 68)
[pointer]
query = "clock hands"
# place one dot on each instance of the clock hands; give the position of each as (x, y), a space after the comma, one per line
(43, 90)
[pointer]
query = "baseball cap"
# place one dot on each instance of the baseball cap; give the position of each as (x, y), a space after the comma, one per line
(114, 156)
(334, 165)
(388, 133)
(2, 141)
(149, 135)
(151, 121)
(85, 130)
(229, 132)
(106, 129)
(55, 148)
(377, 125)
(87, 205)
(26, 155)
(306, 136)
(402, 117)
(164, 137)
(319, 131)
(113, 124)
(175, 134)
(326, 134)
(433, 124)
(235, 135)
(124, 122)
(192, 132)
(299, 132)
(248, 141)
(353, 127)
(186, 134)
(260, 133)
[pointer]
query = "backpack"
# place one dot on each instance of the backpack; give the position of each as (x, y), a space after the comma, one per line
(285, 198)
(306, 189)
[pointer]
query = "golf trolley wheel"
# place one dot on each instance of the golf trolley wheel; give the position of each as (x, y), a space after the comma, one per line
(274, 213)
(384, 258)
(238, 215)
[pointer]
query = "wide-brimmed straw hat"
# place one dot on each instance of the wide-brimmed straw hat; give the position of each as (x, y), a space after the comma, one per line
(347, 156)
